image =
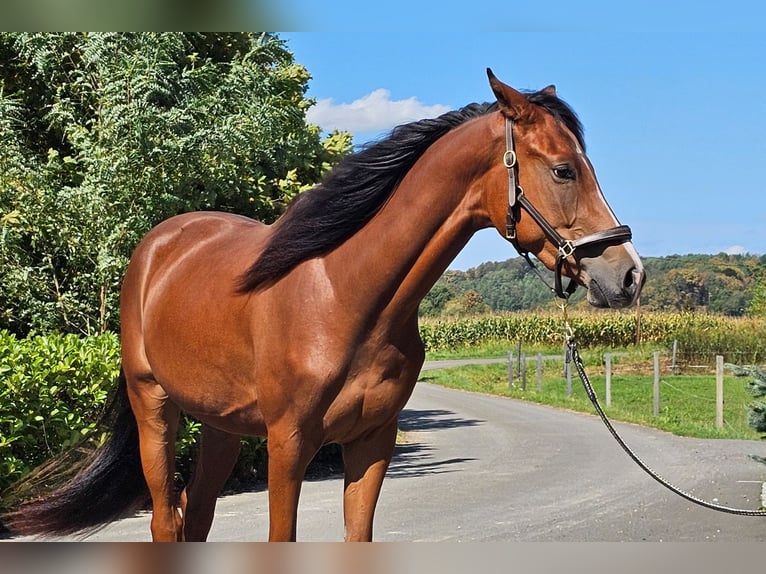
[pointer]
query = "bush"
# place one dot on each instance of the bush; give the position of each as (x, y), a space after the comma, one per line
(756, 417)
(53, 392)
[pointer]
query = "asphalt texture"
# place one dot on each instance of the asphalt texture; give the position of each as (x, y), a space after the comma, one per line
(473, 467)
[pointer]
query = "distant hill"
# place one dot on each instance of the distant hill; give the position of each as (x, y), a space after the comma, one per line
(714, 283)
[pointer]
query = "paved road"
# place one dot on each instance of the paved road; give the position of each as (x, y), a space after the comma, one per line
(481, 468)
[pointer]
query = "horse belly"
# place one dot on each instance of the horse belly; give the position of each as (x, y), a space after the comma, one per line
(211, 381)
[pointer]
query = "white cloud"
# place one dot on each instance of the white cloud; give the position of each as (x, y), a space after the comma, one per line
(374, 112)
(735, 250)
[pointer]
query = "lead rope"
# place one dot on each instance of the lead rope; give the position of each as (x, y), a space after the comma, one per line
(574, 356)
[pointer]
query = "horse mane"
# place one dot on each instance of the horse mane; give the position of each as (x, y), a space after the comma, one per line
(322, 218)
(560, 110)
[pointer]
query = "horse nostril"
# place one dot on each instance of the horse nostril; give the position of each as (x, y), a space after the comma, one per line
(634, 280)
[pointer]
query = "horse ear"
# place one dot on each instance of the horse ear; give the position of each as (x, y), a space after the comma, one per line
(550, 90)
(513, 103)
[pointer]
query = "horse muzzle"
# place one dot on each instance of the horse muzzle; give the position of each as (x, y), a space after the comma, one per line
(615, 278)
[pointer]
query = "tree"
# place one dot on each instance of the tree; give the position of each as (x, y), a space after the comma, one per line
(757, 306)
(105, 135)
(467, 304)
(680, 289)
(437, 298)
(756, 417)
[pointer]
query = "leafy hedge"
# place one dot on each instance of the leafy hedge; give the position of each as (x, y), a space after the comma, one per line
(53, 391)
(104, 135)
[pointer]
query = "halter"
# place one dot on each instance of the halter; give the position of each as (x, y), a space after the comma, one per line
(566, 247)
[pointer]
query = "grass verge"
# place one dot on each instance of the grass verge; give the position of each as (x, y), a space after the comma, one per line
(687, 401)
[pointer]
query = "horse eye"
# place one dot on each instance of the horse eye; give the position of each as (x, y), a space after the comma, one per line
(564, 172)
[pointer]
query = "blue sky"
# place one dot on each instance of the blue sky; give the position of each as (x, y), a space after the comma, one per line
(672, 99)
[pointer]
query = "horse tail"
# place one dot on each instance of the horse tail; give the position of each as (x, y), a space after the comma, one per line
(93, 489)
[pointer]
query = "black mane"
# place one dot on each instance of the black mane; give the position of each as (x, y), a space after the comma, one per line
(320, 219)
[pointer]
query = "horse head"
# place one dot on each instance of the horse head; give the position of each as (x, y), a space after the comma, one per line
(554, 207)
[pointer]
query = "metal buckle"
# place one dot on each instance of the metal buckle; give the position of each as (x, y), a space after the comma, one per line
(567, 249)
(509, 159)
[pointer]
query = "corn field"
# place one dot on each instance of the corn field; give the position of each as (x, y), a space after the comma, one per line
(699, 336)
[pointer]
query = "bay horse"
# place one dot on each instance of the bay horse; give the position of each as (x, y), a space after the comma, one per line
(306, 331)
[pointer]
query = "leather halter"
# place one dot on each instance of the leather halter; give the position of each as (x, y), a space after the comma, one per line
(566, 247)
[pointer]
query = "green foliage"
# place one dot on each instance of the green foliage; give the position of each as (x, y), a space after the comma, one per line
(105, 135)
(757, 306)
(52, 393)
(713, 283)
(435, 301)
(757, 388)
(503, 286)
(468, 304)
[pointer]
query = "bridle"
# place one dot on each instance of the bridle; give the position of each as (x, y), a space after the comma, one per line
(566, 247)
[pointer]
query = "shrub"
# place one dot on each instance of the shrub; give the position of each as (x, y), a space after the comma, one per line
(104, 135)
(53, 392)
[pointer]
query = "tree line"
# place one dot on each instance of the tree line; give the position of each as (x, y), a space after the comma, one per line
(732, 285)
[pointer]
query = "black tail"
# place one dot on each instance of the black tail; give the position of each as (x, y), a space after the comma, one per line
(106, 483)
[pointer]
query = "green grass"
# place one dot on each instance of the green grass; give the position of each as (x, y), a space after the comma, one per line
(687, 401)
(490, 349)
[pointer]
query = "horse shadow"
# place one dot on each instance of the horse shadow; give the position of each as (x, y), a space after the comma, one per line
(413, 458)
(432, 419)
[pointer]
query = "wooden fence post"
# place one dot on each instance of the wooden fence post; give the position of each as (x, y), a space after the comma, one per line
(510, 370)
(608, 374)
(539, 372)
(673, 363)
(719, 391)
(524, 373)
(656, 409)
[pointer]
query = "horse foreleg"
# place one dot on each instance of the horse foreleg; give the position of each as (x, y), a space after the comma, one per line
(218, 454)
(289, 456)
(366, 461)
(157, 420)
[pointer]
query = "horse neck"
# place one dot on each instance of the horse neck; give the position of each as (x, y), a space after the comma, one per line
(391, 264)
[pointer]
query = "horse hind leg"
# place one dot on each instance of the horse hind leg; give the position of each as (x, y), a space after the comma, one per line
(157, 418)
(218, 454)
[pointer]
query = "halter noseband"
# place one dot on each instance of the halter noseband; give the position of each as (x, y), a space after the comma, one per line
(566, 247)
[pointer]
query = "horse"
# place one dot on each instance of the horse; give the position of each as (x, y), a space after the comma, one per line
(305, 331)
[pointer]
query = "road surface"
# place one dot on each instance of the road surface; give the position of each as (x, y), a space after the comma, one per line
(480, 468)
